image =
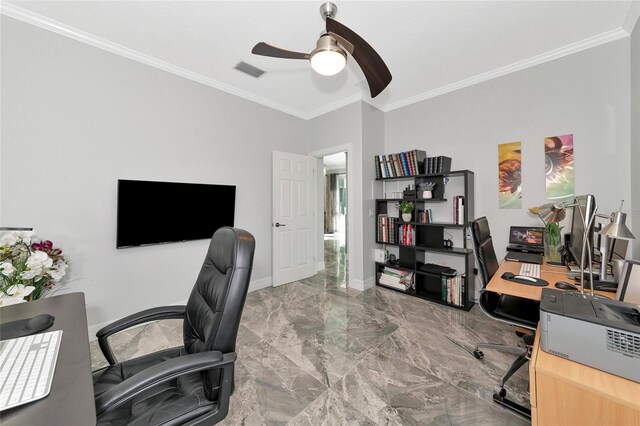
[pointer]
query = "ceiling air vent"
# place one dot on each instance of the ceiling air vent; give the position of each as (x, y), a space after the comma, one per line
(249, 69)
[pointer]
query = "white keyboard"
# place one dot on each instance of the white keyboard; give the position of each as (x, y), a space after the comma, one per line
(530, 270)
(26, 367)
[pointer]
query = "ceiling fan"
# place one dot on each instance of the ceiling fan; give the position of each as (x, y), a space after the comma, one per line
(329, 56)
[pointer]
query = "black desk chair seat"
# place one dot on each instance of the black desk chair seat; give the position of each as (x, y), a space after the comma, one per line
(190, 384)
(512, 310)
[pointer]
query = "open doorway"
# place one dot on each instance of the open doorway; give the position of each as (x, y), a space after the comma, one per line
(335, 216)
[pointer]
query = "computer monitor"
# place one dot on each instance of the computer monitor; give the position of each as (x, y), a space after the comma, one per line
(526, 236)
(586, 204)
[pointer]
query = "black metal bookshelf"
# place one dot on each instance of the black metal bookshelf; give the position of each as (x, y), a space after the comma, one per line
(429, 237)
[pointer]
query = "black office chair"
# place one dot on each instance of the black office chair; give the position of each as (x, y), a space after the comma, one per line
(508, 309)
(190, 384)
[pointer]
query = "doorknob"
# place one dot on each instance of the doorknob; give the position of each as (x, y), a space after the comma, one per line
(278, 225)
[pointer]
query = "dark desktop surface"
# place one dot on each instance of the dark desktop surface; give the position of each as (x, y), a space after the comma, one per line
(71, 400)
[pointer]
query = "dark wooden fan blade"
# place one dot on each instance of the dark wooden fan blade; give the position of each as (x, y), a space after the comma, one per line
(375, 70)
(265, 49)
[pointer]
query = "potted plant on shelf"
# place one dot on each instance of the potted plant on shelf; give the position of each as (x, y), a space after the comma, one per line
(406, 207)
(427, 189)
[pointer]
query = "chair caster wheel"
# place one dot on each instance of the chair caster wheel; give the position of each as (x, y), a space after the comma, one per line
(503, 392)
(478, 354)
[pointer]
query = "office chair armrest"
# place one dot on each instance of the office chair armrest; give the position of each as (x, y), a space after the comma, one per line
(168, 370)
(153, 314)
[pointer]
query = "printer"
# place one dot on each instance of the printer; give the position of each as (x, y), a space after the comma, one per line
(591, 330)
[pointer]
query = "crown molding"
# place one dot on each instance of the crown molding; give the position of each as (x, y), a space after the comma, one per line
(37, 20)
(569, 49)
(46, 23)
(334, 106)
(632, 17)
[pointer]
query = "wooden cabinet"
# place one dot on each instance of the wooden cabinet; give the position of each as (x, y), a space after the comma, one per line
(564, 392)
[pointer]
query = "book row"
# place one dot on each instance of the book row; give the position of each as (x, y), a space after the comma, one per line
(439, 164)
(391, 230)
(409, 163)
(458, 210)
(424, 216)
(453, 290)
(398, 279)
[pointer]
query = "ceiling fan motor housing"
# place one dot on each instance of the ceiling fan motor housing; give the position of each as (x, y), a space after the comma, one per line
(328, 58)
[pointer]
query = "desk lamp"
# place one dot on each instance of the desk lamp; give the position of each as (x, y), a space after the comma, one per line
(615, 229)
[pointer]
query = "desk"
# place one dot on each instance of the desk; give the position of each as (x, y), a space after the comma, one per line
(547, 273)
(563, 392)
(70, 401)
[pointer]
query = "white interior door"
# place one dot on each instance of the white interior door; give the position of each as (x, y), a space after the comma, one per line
(293, 218)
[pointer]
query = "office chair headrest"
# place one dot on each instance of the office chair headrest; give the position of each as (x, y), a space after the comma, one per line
(481, 229)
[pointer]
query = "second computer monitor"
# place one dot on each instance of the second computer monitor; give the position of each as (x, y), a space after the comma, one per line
(585, 204)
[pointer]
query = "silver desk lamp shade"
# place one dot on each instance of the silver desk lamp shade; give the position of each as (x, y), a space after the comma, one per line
(617, 228)
(551, 212)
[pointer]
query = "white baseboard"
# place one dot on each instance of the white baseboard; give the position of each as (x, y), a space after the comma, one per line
(253, 286)
(362, 285)
(321, 266)
(261, 283)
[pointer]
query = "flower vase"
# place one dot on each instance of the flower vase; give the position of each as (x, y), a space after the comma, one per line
(551, 249)
(406, 217)
(427, 194)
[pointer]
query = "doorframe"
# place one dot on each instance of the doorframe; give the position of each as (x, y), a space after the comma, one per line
(317, 154)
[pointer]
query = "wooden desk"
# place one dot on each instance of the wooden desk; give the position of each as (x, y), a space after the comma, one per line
(563, 392)
(547, 273)
(70, 401)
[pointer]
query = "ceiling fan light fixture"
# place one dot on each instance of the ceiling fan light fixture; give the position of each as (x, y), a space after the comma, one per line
(328, 58)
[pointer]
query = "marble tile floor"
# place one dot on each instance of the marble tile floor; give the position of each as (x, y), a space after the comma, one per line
(316, 352)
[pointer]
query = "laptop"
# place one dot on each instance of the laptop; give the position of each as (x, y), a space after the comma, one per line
(526, 239)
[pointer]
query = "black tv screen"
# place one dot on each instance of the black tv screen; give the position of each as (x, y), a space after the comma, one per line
(165, 212)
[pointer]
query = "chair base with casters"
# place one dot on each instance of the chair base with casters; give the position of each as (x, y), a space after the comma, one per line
(528, 320)
(191, 384)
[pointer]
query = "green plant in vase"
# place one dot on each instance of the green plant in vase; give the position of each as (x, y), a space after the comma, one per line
(406, 208)
(551, 238)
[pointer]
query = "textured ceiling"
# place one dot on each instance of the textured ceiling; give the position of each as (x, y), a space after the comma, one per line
(430, 47)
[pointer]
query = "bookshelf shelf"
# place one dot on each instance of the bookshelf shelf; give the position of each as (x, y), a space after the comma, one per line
(415, 200)
(454, 250)
(428, 238)
(427, 175)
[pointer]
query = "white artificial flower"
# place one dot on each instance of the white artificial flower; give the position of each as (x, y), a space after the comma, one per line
(10, 238)
(6, 300)
(7, 269)
(19, 290)
(57, 272)
(31, 274)
(39, 260)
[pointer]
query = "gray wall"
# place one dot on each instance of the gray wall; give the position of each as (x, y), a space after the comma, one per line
(76, 118)
(586, 94)
(372, 144)
(339, 128)
(635, 138)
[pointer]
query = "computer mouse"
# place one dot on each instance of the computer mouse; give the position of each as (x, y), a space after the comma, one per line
(39, 323)
(565, 286)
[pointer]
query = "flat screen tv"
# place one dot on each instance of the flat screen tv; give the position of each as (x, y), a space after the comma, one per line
(167, 212)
